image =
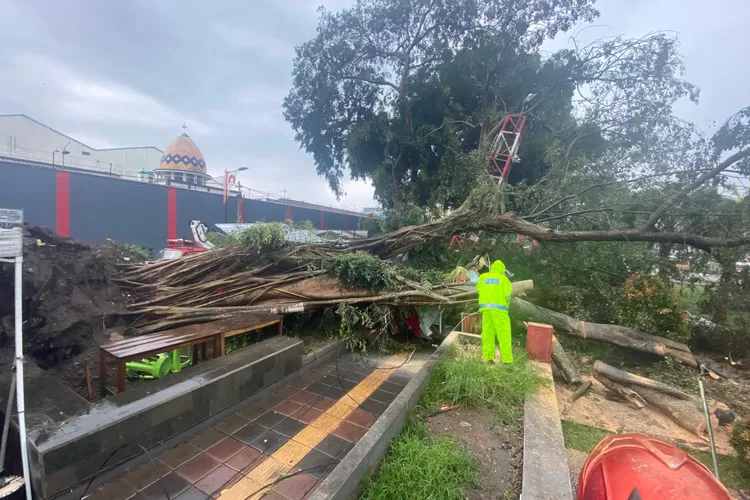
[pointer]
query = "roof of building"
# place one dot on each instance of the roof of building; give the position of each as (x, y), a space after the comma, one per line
(73, 138)
(183, 154)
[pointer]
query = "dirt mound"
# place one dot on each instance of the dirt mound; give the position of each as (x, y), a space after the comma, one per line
(69, 296)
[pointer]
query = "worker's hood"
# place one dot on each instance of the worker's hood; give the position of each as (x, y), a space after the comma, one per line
(498, 267)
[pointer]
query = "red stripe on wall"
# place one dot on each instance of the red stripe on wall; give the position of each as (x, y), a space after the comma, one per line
(322, 220)
(346, 223)
(288, 214)
(62, 194)
(172, 213)
(241, 209)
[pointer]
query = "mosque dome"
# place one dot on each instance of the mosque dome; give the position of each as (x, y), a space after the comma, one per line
(182, 154)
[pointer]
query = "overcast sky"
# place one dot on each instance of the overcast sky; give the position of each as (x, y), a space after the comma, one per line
(130, 73)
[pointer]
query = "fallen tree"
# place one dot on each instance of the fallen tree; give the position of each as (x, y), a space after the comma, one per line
(564, 363)
(614, 334)
(682, 408)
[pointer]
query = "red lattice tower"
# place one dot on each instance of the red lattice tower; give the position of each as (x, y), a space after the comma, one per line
(504, 150)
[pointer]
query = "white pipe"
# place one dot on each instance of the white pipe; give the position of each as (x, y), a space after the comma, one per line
(19, 376)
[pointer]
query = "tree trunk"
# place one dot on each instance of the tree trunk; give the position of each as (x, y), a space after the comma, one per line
(621, 393)
(614, 334)
(629, 379)
(722, 293)
(684, 410)
(564, 363)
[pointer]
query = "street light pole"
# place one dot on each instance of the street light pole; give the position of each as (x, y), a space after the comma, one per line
(226, 187)
(65, 152)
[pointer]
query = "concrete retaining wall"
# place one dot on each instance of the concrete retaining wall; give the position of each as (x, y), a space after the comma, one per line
(71, 438)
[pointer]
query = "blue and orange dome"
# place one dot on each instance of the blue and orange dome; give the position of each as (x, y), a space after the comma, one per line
(183, 154)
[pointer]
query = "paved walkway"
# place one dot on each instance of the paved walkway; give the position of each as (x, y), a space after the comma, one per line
(279, 448)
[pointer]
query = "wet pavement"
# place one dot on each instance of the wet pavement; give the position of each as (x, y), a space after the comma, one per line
(280, 447)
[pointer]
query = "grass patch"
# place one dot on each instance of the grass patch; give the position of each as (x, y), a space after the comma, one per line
(463, 378)
(734, 473)
(419, 468)
(582, 437)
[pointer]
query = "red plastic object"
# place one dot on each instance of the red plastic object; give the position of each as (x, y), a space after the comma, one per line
(539, 342)
(623, 463)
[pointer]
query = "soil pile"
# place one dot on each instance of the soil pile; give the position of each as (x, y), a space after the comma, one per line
(69, 295)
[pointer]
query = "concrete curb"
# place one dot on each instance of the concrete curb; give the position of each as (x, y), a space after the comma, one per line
(545, 462)
(345, 479)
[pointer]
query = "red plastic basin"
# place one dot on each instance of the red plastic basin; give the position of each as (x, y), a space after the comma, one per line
(623, 463)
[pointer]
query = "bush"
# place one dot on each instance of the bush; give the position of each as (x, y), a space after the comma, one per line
(359, 271)
(266, 236)
(741, 441)
(652, 306)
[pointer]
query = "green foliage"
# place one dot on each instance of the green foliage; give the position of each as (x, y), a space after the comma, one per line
(741, 441)
(408, 214)
(357, 322)
(137, 252)
(584, 280)
(265, 236)
(419, 468)
(359, 270)
(409, 120)
(652, 306)
(582, 437)
(462, 377)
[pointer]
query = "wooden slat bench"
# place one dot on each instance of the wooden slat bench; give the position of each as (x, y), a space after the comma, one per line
(137, 348)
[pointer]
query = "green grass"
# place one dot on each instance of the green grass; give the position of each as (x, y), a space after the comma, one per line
(463, 378)
(582, 437)
(418, 468)
(734, 473)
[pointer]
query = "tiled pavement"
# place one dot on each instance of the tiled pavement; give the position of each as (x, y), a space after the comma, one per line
(291, 440)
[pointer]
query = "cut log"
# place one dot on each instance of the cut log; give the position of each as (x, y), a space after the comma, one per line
(557, 374)
(683, 409)
(564, 363)
(579, 392)
(614, 334)
(686, 414)
(625, 378)
(621, 392)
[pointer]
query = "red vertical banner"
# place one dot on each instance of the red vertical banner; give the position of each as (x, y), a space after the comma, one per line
(322, 220)
(62, 194)
(288, 214)
(171, 213)
(241, 209)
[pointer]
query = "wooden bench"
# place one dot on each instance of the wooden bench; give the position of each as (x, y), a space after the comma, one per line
(137, 348)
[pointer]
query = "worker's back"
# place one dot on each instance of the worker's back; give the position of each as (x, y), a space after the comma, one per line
(494, 289)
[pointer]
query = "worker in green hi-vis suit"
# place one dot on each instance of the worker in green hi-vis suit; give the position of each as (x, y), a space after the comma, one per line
(494, 290)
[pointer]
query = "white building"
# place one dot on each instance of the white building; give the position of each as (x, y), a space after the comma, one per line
(24, 138)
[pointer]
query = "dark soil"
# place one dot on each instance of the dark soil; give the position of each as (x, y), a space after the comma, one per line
(496, 444)
(70, 300)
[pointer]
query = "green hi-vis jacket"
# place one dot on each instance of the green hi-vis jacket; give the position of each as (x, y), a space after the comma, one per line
(494, 289)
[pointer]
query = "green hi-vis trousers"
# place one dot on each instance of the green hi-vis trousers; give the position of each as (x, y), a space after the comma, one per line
(496, 325)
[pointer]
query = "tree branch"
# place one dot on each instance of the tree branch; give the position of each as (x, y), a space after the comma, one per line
(672, 199)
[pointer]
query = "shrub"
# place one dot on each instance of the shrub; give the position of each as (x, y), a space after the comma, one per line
(360, 270)
(741, 441)
(651, 306)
